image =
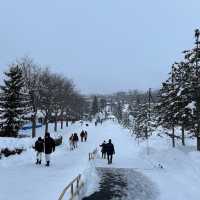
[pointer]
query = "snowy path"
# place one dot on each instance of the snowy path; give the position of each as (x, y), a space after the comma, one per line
(123, 184)
(21, 179)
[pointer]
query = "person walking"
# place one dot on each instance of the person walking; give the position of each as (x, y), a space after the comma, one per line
(75, 140)
(49, 147)
(110, 150)
(71, 142)
(39, 148)
(103, 149)
(82, 135)
(86, 135)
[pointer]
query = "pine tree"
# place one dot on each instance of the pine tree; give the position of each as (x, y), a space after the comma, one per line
(102, 104)
(95, 106)
(14, 102)
(119, 111)
(167, 107)
(193, 84)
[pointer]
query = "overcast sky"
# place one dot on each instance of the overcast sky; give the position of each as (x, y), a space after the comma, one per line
(104, 45)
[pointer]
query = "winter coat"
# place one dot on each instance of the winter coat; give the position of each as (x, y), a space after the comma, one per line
(103, 146)
(82, 134)
(75, 137)
(85, 134)
(39, 145)
(110, 148)
(49, 145)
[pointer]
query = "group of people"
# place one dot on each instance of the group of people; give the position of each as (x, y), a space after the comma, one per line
(107, 150)
(46, 146)
(73, 139)
(83, 136)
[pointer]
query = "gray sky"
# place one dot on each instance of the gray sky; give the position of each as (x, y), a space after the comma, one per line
(104, 45)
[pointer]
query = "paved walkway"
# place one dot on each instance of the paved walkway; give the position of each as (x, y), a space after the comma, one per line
(123, 184)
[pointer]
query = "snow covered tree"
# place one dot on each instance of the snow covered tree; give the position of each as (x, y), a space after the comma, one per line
(126, 120)
(102, 104)
(118, 111)
(14, 102)
(180, 96)
(95, 106)
(47, 95)
(184, 98)
(32, 77)
(193, 84)
(173, 101)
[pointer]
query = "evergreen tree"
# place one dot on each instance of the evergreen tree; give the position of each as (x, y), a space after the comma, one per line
(193, 57)
(102, 104)
(180, 95)
(118, 111)
(95, 106)
(167, 107)
(143, 124)
(14, 102)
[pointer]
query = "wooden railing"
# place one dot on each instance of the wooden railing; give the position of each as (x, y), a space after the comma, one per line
(74, 187)
(93, 154)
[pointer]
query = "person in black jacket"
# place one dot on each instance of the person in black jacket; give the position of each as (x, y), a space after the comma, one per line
(103, 149)
(75, 140)
(86, 136)
(39, 148)
(49, 147)
(110, 150)
(82, 135)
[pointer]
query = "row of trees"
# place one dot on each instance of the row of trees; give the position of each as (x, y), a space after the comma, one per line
(177, 104)
(29, 89)
(180, 95)
(139, 115)
(98, 105)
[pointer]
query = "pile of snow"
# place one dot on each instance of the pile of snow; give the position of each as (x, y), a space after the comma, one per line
(15, 143)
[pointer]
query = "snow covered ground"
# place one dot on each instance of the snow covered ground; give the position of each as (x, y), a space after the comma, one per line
(179, 179)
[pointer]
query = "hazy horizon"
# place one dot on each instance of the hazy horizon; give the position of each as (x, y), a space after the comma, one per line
(104, 46)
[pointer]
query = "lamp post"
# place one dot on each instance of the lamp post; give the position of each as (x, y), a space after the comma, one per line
(197, 51)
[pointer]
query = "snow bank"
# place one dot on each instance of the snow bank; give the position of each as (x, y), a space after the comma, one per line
(90, 179)
(13, 143)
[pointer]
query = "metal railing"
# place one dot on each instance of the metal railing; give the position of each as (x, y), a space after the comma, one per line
(74, 187)
(93, 154)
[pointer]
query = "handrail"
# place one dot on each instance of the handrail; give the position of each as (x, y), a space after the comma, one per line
(73, 191)
(93, 154)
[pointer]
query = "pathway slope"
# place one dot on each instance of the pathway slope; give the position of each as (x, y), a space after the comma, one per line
(123, 184)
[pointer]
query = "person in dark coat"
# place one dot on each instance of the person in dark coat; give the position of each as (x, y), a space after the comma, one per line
(86, 135)
(103, 149)
(110, 150)
(39, 148)
(75, 140)
(82, 135)
(71, 142)
(49, 147)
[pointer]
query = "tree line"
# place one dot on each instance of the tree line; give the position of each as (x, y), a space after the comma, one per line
(180, 95)
(176, 104)
(29, 89)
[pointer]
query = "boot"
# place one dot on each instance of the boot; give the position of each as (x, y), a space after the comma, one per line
(47, 164)
(40, 162)
(37, 162)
